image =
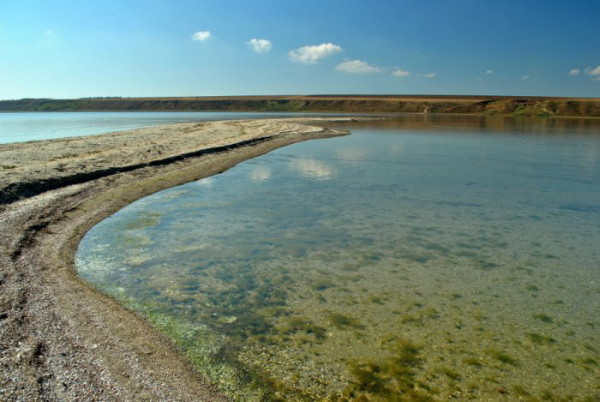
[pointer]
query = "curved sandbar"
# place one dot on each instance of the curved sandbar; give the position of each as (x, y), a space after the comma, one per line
(59, 338)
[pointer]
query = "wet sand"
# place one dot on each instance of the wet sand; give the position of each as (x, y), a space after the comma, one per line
(60, 339)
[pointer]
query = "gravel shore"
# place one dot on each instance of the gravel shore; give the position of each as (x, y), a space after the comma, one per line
(60, 339)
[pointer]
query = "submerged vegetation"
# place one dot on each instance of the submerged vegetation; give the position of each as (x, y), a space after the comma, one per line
(390, 379)
(428, 301)
(251, 328)
(344, 322)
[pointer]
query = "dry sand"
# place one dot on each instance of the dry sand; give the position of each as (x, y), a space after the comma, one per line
(59, 338)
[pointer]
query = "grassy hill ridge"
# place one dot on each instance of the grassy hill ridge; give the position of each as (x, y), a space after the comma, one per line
(489, 105)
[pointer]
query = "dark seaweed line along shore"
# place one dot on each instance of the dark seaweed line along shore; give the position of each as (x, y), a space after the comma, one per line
(60, 339)
(19, 190)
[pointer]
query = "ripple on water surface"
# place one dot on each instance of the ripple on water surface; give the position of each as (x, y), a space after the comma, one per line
(397, 263)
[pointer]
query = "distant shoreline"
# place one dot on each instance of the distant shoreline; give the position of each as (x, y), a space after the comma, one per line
(447, 104)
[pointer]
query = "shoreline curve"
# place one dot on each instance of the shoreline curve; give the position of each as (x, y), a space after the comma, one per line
(60, 339)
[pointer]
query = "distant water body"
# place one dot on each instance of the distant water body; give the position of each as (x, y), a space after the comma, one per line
(33, 126)
(426, 257)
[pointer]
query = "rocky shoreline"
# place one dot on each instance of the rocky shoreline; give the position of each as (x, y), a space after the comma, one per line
(60, 339)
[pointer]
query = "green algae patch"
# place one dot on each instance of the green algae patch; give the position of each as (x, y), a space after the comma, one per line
(344, 322)
(540, 339)
(213, 357)
(543, 318)
(144, 221)
(305, 325)
(390, 379)
(502, 357)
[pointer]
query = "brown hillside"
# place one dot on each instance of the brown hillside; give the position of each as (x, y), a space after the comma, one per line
(529, 106)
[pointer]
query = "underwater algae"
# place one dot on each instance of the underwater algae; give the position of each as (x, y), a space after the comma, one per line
(280, 293)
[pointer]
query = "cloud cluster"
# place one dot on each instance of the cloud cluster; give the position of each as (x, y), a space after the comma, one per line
(593, 71)
(260, 45)
(400, 73)
(489, 72)
(313, 53)
(201, 36)
(357, 67)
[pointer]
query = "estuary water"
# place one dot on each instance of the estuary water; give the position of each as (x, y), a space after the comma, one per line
(32, 126)
(424, 258)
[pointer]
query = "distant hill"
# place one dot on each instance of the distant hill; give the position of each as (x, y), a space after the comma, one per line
(486, 105)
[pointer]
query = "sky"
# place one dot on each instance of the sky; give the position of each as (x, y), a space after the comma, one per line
(130, 48)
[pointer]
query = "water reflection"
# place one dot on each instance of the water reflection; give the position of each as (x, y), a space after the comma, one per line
(589, 159)
(355, 154)
(436, 263)
(260, 174)
(206, 182)
(313, 169)
(497, 124)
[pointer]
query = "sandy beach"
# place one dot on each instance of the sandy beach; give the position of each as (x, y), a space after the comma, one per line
(60, 339)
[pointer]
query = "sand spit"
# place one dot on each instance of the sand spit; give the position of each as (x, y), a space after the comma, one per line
(59, 338)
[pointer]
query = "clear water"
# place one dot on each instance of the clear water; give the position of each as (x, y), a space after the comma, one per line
(31, 126)
(445, 258)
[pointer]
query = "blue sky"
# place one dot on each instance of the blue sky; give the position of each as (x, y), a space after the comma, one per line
(80, 48)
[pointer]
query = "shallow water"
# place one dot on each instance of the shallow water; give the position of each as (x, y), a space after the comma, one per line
(426, 257)
(33, 126)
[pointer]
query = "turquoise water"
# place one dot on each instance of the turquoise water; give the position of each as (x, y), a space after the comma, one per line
(419, 258)
(30, 126)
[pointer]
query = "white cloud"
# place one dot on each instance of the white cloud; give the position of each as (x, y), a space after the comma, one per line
(525, 78)
(595, 71)
(400, 73)
(357, 67)
(201, 36)
(575, 71)
(312, 54)
(429, 75)
(260, 45)
(489, 72)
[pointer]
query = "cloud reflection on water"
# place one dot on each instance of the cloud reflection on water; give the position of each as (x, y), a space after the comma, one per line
(206, 182)
(260, 174)
(313, 169)
(352, 154)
